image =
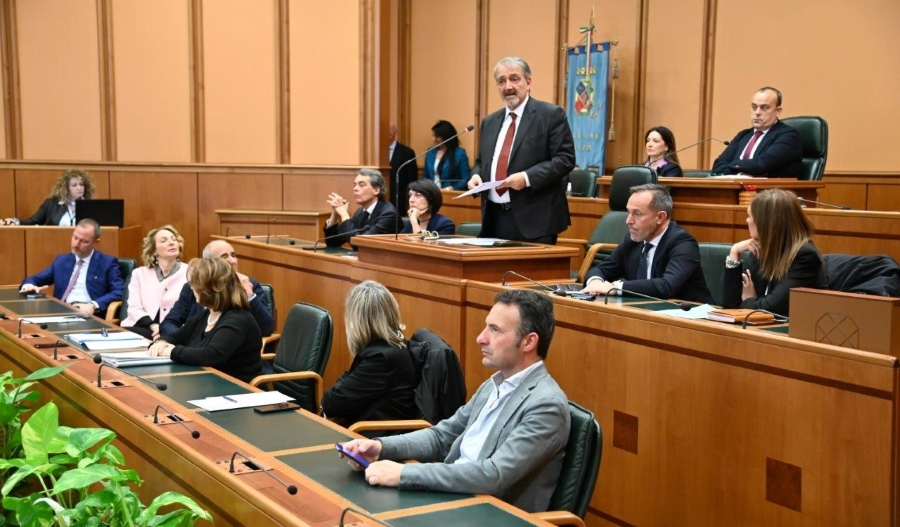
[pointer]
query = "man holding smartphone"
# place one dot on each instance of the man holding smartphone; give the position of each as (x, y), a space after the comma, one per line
(509, 439)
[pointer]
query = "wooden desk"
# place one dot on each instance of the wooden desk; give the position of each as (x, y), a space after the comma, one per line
(302, 224)
(32, 248)
(721, 191)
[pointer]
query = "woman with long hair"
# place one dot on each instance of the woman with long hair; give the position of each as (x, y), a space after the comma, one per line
(447, 165)
(781, 255)
(382, 378)
(59, 207)
(661, 152)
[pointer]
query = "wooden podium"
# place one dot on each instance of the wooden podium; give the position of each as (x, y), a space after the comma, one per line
(722, 191)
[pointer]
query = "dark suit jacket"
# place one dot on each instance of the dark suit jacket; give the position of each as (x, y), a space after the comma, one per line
(379, 385)
(543, 148)
(232, 346)
(779, 154)
(383, 220)
(806, 271)
(50, 213)
(402, 154)
(103, 280)
(455, 174)
(670, 169)
(187, 307)
(675, 271)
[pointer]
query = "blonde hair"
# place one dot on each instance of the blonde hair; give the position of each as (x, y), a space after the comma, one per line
(147, 256)
(217, 284)
(783, 229)
(370, 313)
(61, 188)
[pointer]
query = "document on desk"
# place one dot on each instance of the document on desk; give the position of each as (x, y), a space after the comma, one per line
(694, 313)
(54, 319)
(480, 242)
(244, 400)
(123, 340)
(480, 188)
(132, 358)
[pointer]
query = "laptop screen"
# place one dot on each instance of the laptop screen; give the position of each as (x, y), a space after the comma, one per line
(106, 212)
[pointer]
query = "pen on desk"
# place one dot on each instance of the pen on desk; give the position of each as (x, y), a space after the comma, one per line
(104, 332)
(227, 398)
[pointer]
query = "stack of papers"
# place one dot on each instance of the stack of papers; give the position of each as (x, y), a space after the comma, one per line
(244, 400)
(58, 319)
(132, 358)
(123, 340)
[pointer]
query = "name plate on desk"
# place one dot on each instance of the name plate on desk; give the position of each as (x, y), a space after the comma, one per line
(849, 320)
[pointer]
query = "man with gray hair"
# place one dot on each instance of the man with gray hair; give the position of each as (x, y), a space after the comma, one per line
(657, 258)
(375, 215)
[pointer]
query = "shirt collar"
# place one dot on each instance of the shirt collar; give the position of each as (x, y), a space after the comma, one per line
(516, 379)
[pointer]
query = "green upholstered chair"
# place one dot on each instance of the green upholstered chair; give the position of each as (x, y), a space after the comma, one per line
(712, 261)
(584, 183)
(611, 228)
(118, 310)
(469, 228)
(814, 133)
(268, 297)
(581, 467)
(301, 356)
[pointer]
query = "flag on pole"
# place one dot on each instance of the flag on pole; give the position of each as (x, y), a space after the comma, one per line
(586, 91)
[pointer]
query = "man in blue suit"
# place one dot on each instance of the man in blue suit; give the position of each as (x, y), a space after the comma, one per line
(85, 278)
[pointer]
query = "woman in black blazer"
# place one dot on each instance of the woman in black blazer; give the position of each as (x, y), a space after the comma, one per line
(661, 156)
(381, 380)
(59, 207)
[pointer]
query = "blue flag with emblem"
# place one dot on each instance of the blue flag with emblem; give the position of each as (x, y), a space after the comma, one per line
(586, 90)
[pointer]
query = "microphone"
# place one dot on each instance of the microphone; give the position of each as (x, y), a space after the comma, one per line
(684, 306)
(342, 523)
(408, 161)
(194, 433)
(161, 386)
(680, 150)
(292, 489)
(244, 234)
(315, 246)
(555, 290)
(3, 316)
(804, 201)
(42, 326)
(778, 318)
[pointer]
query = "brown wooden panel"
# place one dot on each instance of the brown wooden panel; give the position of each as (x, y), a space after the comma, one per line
(309, 191)
(298, 225)
(13, 242)
(7, 193)
(234, 190)
(852, 194)
(883, 197)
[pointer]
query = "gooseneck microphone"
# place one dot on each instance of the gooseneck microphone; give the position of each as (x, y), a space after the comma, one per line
(244, 234)
(408, 161)
(292, 489)
(21, 320)
(171, 415)
(315, 246)
(804, 201)
(161, 386)
(778, 318)
(692, 145)
(684, 306)
(555, 290)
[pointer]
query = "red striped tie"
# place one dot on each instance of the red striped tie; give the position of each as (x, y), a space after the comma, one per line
(503, 160)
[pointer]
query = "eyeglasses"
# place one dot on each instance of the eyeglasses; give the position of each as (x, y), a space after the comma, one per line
(424, 235)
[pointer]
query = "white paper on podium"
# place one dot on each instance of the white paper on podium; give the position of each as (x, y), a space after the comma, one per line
(54, 319)
(695, 313)
(480, 188)
(244, 400)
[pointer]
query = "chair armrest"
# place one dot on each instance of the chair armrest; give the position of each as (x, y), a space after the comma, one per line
(268, 356)
(577, 243)
(589, 258)
(274, 337)
(559, 518)
(272, 378)
(112, 311)
(390, 425)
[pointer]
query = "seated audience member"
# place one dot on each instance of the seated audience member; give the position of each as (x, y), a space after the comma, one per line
(769, 147)
(224, 335)
(425, 200)
(187, 305)
(59, 207)
(661, 156)
(447, 165)
(782, 255)
(85, 278)
(374, 215)
(155, 287)
(382, 379)
(657, 258)
(509, 439)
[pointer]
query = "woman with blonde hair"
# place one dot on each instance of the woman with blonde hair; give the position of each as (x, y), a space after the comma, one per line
(224, 335)
(59, 207)
(154, 287)
(381, 380)
(782, 255)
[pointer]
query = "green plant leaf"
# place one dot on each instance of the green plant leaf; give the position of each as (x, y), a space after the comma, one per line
(38, 433)
(193, 511)
(83, 439)
(49, 371)
(78, 478)
(23, 472)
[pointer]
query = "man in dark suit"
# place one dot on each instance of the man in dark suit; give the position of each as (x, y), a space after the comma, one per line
(85, 278)
(657, 258)
(770, 148)
(398, 153)
(528, 145)
(374, 215)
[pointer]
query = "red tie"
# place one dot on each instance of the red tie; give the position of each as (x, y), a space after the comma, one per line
(750, 145)
(73, 279)
(503, 160)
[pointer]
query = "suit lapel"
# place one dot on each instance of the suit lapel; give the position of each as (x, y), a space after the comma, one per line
(511, 408)
(491, 131)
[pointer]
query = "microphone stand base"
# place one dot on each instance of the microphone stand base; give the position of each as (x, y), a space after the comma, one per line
(114, 384)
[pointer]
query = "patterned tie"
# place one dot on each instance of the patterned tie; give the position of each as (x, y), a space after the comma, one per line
(73, 279)
(751, 144)
(503, 160)
(644, 263)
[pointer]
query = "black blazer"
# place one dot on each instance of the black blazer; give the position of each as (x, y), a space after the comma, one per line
(675, 271)
(50, 213)
(383, 220)
(779, 154)
(806, 271)
(670, 169)
(380, 384)
(232, 346)
(543, 148)
(402, 154)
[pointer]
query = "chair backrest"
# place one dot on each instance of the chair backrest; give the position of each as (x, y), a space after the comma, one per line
(268, 298)
(712, 261)
(305, 345)
(814, 134)
(126, 267)
(442, 385)
(611, 228)
(469, 228)
(584, 183)
(581, 464)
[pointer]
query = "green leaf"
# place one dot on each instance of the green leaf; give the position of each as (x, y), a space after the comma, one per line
(38, 433)
(78, 478)
(23, 472)
(83, 439)
(49, 371)
(172, 498)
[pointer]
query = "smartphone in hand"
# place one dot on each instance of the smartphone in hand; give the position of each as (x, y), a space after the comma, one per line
(355, 457)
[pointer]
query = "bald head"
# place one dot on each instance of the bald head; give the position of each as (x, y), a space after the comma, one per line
(221, 249)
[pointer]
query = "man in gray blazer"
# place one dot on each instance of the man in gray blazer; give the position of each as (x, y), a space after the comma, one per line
(528, 145)
(509, 439)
